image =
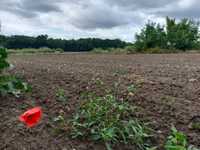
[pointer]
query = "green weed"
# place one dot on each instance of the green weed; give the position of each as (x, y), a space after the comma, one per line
(61, 97)
(131, 88)
(3, 56)
(178, 141)
(10, 84)
(106, 119)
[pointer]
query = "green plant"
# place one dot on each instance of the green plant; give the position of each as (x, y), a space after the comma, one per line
(196, 126)
(106, 119)
(10, 84)
(59, 119)
(131, 88)
(3, 56)
(176, 141)
(61, 97)
(98, 82)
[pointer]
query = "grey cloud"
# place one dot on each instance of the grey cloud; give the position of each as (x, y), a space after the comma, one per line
(192, 12)
(140, 4)
(98, 17)
(44, 6)
(29, 8)
(98, 14)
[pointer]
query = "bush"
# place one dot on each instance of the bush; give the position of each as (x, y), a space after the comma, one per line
(130, 49)
(106, 119)
(160, 51)
(125, 50)
(99, 51)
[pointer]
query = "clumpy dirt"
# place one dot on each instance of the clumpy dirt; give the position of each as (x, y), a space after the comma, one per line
(167, 93)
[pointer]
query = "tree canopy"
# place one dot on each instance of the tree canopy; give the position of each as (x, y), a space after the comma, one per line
(180, 35)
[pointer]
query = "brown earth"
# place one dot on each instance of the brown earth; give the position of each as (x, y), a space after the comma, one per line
(168, 93)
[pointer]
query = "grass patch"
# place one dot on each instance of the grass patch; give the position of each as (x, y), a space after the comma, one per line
(33, 50)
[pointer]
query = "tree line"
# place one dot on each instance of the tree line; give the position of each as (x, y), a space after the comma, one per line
(21, 41)
(175, 35)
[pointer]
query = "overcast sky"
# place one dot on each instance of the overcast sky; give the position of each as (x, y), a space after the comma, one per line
(89, 18)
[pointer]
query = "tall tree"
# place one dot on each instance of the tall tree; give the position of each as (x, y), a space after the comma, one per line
(151, 36)
(182, 35)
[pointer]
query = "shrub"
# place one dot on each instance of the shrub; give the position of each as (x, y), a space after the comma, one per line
(106, 119)
(130, 49)
(99, 51)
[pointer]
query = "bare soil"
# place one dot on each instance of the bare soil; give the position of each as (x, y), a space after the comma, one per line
(167, 93)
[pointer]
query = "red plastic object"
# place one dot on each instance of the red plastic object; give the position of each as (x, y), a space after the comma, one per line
(31, 117)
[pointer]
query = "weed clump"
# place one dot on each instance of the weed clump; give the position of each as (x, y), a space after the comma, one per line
(105, 119)
(178, 141)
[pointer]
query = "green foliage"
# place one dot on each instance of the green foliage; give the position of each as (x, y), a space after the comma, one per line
(125, 50)
(3, 56)
(59, 119)
(21, 42)
(61, 97)
(110, 50)
(130, 49)
(32, 50)
(196, 126)
(153, 35)
(106, 119)
(178, 141)
(10, 84)
(183, 35)
(131, 88)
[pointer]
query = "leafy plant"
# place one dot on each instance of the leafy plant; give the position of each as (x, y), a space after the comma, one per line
(106, 119)
(10, 84)
(59, 119)
(131, 88)
(3, 56)
(178, 141)
(99, 82)
(61, 95)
